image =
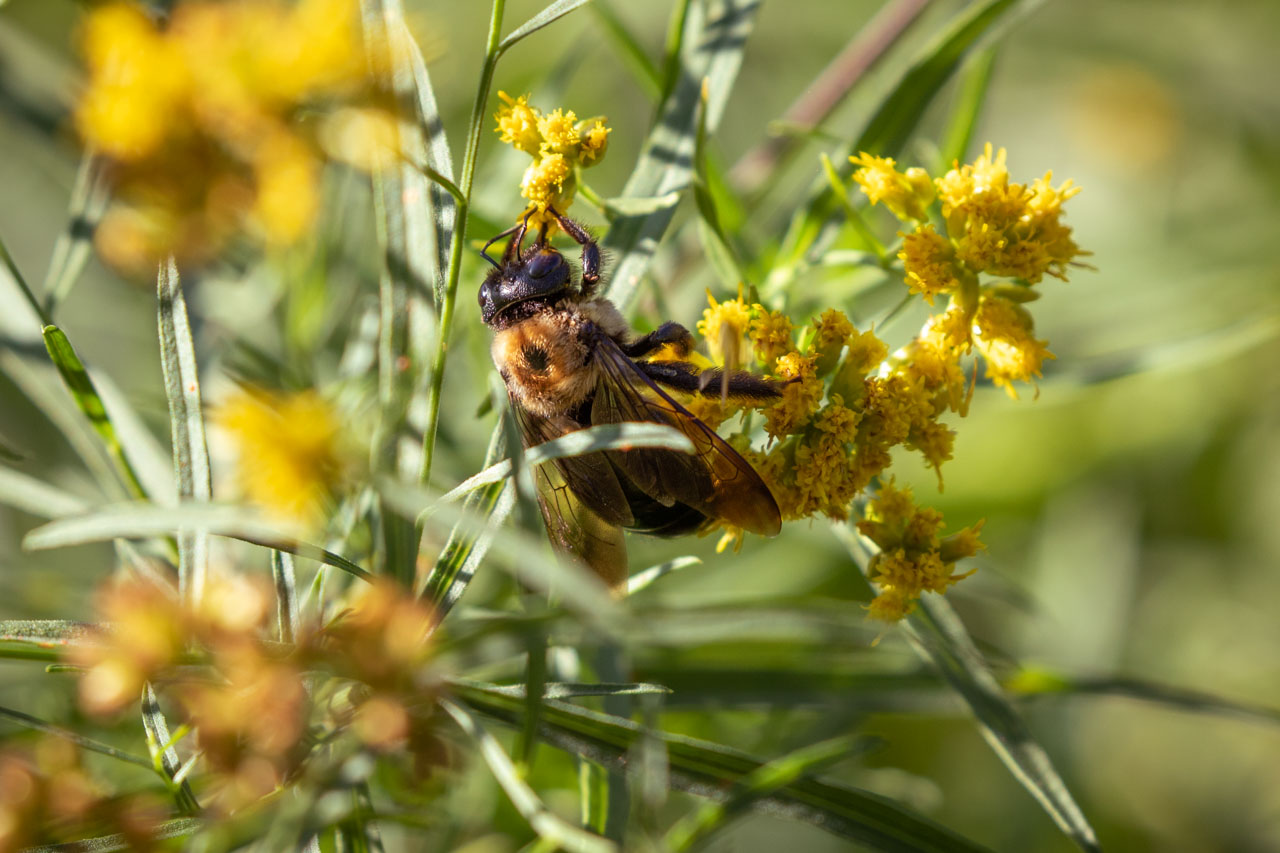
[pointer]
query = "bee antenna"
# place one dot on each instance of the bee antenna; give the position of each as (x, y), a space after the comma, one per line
(485, 251)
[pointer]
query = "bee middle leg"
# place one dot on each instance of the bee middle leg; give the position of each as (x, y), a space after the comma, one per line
(668, 333)
(590, 250)
(715, 382)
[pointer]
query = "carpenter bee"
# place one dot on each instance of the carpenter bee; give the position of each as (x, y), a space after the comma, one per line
(569, 361)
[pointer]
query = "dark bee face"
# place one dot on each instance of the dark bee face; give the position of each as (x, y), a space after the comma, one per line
(541, 273)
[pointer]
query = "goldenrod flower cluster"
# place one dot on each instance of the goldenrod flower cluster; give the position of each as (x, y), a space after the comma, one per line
(914, 558)
(559, 143)
(47, 797)
(291, 451)
(251, 717)
(991, 227)
(197, 119)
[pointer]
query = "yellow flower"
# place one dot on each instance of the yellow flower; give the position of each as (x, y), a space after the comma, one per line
(594, 141)
(770, 333)
(831, 330)
(800, 397)
(724, 325)
(912, 559)
(518, 124)
(928, 259)
(558, 143)
(559, 133)
(1005, 228)
(907, 194)
(1003, 332)
(289, 448)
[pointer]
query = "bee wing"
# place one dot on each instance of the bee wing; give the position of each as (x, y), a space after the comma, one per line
(590, 475)
(574, 529)
(715, 480)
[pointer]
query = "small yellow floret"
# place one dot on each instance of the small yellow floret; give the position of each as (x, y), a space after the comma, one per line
(1003, 332)
(929, 261)
(518, 123)
(907, 194)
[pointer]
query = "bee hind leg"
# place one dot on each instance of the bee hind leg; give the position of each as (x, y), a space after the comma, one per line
(668, 333)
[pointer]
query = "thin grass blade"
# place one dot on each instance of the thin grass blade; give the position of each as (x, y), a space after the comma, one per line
(632, 53)
(286, 583)
(644, 579)
(186, 424)
(896, 117)
(541, 819)
(142, 521)
(74, 245)
(572, 689)
(549, 15)
(164, 754)
(35, 723)
(968, 107)
(170, 829)
(712, 52)
(36, 497)
(76, 378)
(705, 768)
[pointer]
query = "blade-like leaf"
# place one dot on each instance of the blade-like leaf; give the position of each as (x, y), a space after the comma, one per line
(186, 424)
(571, 690)
(141, 521)
(39, 725)
(286, 583)
(86, 396)
(712, 52)
(178, 828)
(553, 829)
(550, 14)
(895, 119)
(642, 580)
(74, 245)
(163, 753)
(37, 497)
(624, 436)
(964, 115)
(938, 635)
(705, 768)
(632, 53)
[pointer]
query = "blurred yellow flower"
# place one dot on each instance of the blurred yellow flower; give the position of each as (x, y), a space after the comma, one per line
(291, 455)
(1003, 332)
(198, 118)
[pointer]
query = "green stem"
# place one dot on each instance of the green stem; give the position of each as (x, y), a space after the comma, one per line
(436, 375)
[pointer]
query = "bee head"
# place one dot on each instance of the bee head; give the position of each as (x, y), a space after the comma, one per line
(539, 273)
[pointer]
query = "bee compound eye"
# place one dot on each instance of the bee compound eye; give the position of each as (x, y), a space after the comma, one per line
(543, 263)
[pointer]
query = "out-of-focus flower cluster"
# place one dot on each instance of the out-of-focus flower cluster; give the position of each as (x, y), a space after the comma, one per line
(256, 707)
(292, 451)
(47, 797)
(991, 227)
(559, 143)
(198, 119)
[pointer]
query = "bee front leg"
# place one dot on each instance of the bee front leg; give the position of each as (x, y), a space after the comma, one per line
(668, 333)
(590, 250)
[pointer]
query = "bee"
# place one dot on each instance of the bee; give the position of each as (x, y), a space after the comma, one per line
(569, 361)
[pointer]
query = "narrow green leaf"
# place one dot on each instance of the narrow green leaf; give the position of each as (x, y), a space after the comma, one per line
(7, 453)
(571, 689)
(895, 119)
(37, 497)
(186, 424)
(713, 48)
(74, 245)
(164, 754)
(694, 829)
(39, 384)
(39, 725)
(632, 53)
(541, 819)
(286, 584)
(704, 768)
(86, 396)
(939, 636)
(642, 580)
(964, 115)
(178, 828)
(20, 283)
(549, 15)
(640, 205)
(625, 436)
(141, 521)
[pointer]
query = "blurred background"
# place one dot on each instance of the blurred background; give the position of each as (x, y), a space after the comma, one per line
(1133, 509)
